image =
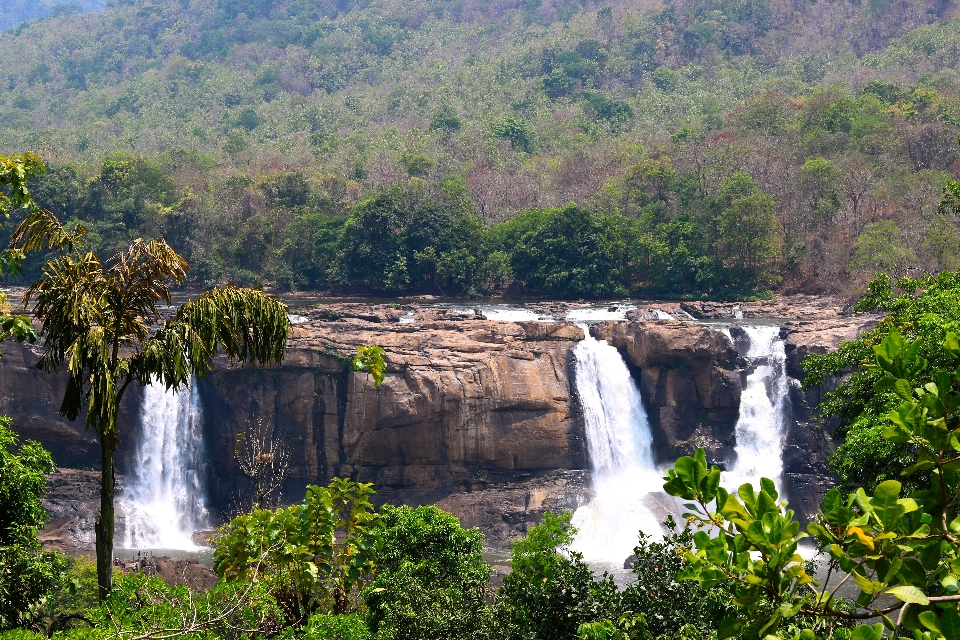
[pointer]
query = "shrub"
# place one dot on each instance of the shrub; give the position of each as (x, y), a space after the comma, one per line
(27, 574)
(430, 578)
(312, 557)
(671, 606)
(551, 590)
(321, 626)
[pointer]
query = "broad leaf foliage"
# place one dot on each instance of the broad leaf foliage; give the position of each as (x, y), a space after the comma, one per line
(902, 552)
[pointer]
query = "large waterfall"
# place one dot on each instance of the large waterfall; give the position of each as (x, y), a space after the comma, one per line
(164, 501)
(620, 445)
(762, 423)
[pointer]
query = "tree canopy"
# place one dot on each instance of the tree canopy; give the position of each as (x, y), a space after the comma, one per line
(923, 309)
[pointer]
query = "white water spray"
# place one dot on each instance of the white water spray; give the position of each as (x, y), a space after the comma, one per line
(620, 445)
(164, 502)
(762, 425)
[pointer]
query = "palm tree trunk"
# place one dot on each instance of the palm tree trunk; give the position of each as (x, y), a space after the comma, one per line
(104, 525)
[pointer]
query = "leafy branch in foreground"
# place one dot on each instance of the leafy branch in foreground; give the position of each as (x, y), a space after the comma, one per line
(307, 555)
(903, 553)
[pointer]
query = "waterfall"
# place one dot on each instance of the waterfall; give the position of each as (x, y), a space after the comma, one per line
(164, 502)
(620, 445)
(762, 423)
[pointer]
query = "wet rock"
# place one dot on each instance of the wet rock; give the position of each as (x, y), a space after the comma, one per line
(506, 511)
(73, 502)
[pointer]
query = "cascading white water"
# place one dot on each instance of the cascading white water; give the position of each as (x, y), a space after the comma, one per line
(762, 423)
(620, 445)
(164, 502)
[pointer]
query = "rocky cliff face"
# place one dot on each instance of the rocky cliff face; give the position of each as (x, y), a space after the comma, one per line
(479, 416)
(809, 442)
(466, 403)
(32, 398)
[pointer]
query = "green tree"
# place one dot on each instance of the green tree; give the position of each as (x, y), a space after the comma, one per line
(671, 607)
(15, 172)
(404, 239)
(27, 574)
(550, 591)
(96, 318)
(313, 556)
(746, 242)
(649, 185)
(879, 248)
(901, 551)
(430, 577)
(941, 243)
(517, 131)
(923, 309)
(820, 180)
(674, 258)
(574, 254)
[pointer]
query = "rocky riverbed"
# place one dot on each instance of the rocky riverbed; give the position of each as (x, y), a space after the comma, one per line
(477, 415)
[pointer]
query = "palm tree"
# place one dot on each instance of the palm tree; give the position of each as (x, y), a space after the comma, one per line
(101, 320)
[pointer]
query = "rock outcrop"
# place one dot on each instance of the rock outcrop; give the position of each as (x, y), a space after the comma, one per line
(72, 502)
(809, 442)
(32, 398)
(689, 381)
(466, 403)
(478, 416)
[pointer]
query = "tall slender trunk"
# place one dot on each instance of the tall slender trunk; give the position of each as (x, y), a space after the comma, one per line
(104, 525)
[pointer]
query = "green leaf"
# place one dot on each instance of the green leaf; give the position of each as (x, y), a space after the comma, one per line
(866, 585)
(729, 627)
(885, 504)
(950, 623)
(909, 593)
(868, 632)
(930, 621)
(903, 389)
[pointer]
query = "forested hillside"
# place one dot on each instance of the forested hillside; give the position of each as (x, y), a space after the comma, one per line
(718, 148)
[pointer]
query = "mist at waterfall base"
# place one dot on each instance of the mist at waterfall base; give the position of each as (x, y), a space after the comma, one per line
(625, 475)
(164, 500)
(620, 445)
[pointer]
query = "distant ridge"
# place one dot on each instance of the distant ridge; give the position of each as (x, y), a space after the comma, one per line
(15, 12)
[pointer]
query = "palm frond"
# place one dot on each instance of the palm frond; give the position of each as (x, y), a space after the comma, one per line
(247, 325)
(41, 230)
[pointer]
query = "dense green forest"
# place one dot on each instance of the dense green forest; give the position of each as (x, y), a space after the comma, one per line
(710, 148)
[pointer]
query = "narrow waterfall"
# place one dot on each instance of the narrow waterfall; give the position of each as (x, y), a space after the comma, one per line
(164, 501)
(762, 423)
(620, 445)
